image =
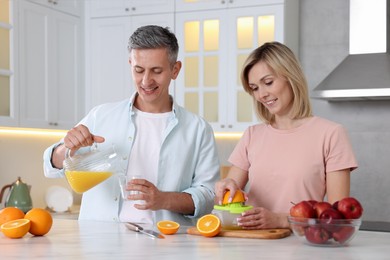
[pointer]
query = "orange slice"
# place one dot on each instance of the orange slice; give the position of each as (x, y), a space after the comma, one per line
(168, 227)
(209, 225)
(238, 197)
(16, 228)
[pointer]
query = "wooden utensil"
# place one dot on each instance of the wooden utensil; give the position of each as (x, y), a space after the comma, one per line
(259, 234)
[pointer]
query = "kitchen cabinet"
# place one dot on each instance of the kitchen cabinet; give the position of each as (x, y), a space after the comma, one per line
(67, 6)
(110, 8)
(108, 77)
(214, 45)
(197, 5)
(8, 87)
(50, 70)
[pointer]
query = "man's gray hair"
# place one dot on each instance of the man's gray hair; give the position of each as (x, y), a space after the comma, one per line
(154, 37)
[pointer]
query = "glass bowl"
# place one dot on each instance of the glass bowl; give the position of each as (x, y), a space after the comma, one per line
(322, 232)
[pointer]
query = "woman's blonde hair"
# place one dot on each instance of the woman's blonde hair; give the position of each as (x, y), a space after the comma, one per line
(282, 61)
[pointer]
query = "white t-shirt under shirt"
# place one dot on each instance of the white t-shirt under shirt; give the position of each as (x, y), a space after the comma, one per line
(144, 159)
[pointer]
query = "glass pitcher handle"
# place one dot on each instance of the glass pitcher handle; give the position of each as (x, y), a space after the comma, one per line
(67, 152)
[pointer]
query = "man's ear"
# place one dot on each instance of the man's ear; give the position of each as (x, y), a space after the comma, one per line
(176, 69)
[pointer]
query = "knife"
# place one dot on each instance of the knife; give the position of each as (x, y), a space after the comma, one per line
(138, 228)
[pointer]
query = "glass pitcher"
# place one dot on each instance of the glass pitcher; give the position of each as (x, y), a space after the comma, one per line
(86, 170)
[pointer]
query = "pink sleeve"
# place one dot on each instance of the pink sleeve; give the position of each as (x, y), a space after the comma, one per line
(338, 151)
(239, 156)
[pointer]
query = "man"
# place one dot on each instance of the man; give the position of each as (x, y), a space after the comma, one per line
(173, 149)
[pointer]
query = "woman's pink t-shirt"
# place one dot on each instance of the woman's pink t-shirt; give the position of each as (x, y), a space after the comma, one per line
(287, 166)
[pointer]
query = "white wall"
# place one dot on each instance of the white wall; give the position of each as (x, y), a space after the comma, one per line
(21, 155)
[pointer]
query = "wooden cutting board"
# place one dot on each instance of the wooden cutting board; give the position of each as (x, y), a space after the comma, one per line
(259, 234)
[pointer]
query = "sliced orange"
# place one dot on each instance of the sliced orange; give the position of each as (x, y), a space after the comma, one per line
(16, 228)
(10, 213)
(238, 197)
(168, 227)
(209, 225)
(41, 221)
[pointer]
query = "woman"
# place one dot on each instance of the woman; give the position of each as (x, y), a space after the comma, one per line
(292, 155)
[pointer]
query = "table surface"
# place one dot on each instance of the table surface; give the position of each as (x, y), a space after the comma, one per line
(73, 239)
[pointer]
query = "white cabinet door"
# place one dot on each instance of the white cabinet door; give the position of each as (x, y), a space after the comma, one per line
(214, 45)
(113, 8)
(9, 94)
(67, 6)
(109, 72)
(108, 69)
(197, 5)
(49, 68)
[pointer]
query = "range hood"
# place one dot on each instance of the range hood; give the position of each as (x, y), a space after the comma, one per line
(359, 76)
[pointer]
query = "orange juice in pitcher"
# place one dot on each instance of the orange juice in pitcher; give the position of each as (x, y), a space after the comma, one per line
(86, 170)
(81, 181)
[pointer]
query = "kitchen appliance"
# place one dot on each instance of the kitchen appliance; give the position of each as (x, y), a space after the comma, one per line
(229, 213)
(18, 195)
(359, 76)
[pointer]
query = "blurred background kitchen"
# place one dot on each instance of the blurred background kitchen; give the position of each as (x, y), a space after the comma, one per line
(59, 58)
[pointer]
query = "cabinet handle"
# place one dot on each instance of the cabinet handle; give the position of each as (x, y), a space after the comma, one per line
(133, 9)
(230, 126)
(53, 123)
(127, 9)
(222, 126)
(223, 2)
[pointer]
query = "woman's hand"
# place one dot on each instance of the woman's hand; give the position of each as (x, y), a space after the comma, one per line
(235, 180)
(224, 185)
(262, 218)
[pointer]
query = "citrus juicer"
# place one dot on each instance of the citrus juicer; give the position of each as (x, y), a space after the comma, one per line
(229, 212)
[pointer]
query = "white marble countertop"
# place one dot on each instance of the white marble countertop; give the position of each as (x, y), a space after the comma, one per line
(72, 239)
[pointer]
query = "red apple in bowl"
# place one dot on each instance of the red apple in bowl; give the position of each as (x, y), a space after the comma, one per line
(321, 206)
(350, 208)
(329, 217)
(343, 234)
(330, 214)
(317, 235)
(303, 209)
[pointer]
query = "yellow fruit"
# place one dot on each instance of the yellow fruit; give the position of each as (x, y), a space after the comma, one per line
(41, 221)
(209, 225)
(10, 213)
(168, 227)
(238, 197)
(16, 228)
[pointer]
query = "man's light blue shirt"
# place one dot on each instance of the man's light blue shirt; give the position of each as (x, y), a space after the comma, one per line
(188, 161)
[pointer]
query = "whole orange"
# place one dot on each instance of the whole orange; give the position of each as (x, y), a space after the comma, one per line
(10, 213)
(41, 221)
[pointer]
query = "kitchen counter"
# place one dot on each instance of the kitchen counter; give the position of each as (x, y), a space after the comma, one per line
(73, 239)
